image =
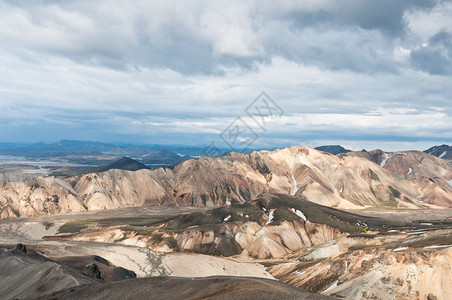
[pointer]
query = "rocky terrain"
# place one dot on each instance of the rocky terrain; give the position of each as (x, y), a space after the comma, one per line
(55, 269)
(163, 288)
(354, 180)
(430, 174)
(414, 265)
(25, 275)
(361, 254)
(357, 225)
(30, 276)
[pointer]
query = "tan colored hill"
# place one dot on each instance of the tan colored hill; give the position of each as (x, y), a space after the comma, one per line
(432, 175)
(345, 181)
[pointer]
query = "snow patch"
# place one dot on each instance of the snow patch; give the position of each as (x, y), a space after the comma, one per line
(387, 156)
(295, 188)
(298, 272)
(227, 218)
(270, 217)
(410, 170)
(437, 246)
(194, 226)
(443, 154)
(298, 213)
(400, 249)
(333, 286)
(332, 185)
(429, 224)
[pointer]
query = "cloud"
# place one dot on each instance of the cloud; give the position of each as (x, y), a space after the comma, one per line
(181, 71)
(199, 37)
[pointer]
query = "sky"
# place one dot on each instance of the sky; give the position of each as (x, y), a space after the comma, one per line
(360, 73)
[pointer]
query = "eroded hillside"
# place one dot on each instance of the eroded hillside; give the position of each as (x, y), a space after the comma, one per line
(354, 180)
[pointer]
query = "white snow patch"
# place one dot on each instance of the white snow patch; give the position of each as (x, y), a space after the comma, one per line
(333, 286)
(332, 185)
(246, 216)
(410, 170)
(437, 246)
(443, 154)
(400, 249)
(387, 156)
(298, 213)
(392, 230)
(414, 233)
(295, 188)
(424, 229)
(194, 226)
(429, 224)
(227, 218)
(264, 209)
(298, 272)
(342, 189)
(270, 218)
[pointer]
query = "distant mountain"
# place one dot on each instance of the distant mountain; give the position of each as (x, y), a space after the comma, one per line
(164, 157)
(443, 151)
(124, 163)
(333, 149)
(65, 148)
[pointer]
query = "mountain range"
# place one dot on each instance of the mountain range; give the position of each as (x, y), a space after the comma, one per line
(74, 147)
(409, 179)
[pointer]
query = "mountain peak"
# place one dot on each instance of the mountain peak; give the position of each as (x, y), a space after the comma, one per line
(125, 163)
(443, 151)
(333, 149)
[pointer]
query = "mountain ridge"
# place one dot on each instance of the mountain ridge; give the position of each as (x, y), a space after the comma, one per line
(351, 180)
(443, 151)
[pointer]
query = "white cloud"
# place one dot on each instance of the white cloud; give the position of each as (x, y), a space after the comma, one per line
(426, 23)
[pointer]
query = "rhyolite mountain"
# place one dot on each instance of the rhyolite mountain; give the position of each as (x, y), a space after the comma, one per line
(351, 180)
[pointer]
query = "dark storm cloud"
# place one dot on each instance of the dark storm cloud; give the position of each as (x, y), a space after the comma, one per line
(436, 56)
(384, 15)
(433, 61)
